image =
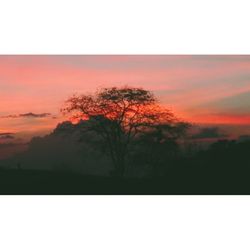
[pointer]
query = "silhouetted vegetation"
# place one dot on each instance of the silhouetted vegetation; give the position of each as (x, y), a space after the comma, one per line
(122, 115)
(121, 141)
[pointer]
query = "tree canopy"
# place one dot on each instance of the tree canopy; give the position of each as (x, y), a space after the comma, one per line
(122, 115)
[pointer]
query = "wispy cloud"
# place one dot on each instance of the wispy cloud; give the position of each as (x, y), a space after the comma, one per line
(7, 136)
(28, 115)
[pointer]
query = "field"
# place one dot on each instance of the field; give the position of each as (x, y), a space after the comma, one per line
(30, 182)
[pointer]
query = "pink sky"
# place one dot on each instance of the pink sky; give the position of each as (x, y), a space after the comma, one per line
(201, 89)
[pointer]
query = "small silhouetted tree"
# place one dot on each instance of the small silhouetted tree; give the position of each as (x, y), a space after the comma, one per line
(119, 116)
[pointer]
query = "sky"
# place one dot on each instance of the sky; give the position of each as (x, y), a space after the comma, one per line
(212, 90)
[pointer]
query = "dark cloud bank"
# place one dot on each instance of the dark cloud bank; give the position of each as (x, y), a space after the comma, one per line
(209, 133)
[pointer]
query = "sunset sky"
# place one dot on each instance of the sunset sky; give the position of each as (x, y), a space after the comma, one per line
(202, 89)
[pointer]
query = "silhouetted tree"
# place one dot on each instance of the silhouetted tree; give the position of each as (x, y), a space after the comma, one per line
(120, 115)
(159, 146)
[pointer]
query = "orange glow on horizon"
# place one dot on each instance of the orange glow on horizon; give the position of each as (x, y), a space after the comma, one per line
(223, 119)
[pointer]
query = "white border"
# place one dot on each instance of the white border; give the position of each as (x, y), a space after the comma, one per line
(124, 27)
(124, 222)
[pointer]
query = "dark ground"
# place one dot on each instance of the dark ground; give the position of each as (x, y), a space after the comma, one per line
(28, 182)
